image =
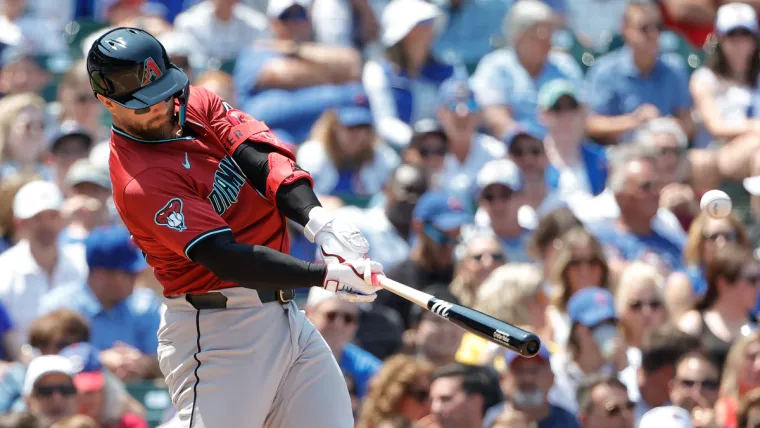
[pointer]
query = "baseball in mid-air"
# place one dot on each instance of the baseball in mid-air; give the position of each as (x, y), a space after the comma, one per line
(716, 204)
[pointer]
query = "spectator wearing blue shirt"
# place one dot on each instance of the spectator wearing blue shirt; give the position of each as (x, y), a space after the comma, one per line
(636, 83)
(526, 383)
(123, 320)
(290, 81)
(337, 321)
(635, 183)
(507, 81)
(575, 165)
(9, 351)
(403, 83)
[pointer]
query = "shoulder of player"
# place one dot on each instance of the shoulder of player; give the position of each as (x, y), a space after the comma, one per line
(149, 178)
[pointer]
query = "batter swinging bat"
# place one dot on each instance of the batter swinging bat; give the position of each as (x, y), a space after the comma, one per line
(487, 327)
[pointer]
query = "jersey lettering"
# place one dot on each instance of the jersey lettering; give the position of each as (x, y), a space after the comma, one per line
(227, 184)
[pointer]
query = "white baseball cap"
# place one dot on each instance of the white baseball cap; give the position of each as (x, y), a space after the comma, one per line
(752, 185)
(43, 366)
(499, 171)
(666, 416)
(35, 197)
(733, 16)
(401, 16)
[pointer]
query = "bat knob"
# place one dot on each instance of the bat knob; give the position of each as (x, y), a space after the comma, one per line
(531, 347)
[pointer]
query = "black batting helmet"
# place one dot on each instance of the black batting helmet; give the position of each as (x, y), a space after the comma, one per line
(131, 67)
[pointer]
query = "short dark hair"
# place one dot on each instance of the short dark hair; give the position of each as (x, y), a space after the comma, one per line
(61, 326)
(480, 380)
(587, 387)
(550, 228)
(664, 346)
(699, 355)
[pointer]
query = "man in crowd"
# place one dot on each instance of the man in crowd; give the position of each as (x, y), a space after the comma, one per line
(460, 395)
(695, 386)
(603, 403)
(431, 337)
(49, 389)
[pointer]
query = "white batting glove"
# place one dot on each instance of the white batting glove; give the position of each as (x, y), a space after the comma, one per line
(352, 280)
(337, 241)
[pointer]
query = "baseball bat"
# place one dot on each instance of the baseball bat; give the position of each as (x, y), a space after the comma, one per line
(515, 339)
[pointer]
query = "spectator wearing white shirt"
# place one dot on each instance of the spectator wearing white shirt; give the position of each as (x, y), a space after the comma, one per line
(468, 149)
(222, 28)
(350, 23)
(37, 264)
(38, 35)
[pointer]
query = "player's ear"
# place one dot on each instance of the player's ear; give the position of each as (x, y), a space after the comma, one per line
(106, 102)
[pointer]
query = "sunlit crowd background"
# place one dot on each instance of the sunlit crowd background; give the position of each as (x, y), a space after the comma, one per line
(539, 161)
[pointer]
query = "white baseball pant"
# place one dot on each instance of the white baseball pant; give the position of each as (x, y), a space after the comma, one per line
(249, 366)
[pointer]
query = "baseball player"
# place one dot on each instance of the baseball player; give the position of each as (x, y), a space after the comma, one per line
(205, 191)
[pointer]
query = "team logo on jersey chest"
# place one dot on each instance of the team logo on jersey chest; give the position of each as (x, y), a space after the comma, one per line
(228, 181)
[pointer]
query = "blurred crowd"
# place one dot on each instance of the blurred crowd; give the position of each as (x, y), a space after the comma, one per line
(539, 161)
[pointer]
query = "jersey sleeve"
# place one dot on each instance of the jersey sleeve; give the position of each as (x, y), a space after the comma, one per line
(165, 206)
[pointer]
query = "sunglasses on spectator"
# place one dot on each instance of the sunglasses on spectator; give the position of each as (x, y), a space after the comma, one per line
(675, 151)
(707, 384)
(492, 195)
(728, 236)
(650, 186)
(47, 391)
(419, 395)
(495, 256)
(533, 150)
(589, 262)
(651, 27)
(638, 305)
(563, 106)
(615, 409)
(348, 318)
(425, 151)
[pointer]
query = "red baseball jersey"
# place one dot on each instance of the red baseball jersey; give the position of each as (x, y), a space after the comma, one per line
(173, 193)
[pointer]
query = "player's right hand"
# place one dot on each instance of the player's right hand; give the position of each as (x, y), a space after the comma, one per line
(352, 280)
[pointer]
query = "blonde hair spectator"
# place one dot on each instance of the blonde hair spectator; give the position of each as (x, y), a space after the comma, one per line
(574, 240)
(512, 293)
(740, 375)
(639, 301)
(11, 107)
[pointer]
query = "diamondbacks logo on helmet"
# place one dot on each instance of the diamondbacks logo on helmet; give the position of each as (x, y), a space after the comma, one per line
(151, 71)
(171, 215)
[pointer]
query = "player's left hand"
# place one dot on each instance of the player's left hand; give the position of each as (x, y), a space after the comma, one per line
(337, 241)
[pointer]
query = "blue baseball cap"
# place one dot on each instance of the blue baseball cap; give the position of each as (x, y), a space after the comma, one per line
(456, 94)
(357, 114)
(591, 306)
(110, 247)
(442, 209)
(88, 370)
(510, 356)
(527, 129)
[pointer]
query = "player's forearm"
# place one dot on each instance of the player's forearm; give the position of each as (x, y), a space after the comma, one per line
(255, 266)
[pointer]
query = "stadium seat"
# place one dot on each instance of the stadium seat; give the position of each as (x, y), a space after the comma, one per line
(154, 396)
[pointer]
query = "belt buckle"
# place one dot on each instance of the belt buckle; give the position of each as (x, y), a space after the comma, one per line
(286, 296)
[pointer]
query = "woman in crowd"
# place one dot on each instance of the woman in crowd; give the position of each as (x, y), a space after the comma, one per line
(639, 302)
(579, 262)
(749, 410)
(545, 239)
(399, 390)
(706, 236)
(403, 85)
(8, 188)
(723, 312)
(22, 135)
(477, 257)
(724, 91)
(345, 157)
(740, 376)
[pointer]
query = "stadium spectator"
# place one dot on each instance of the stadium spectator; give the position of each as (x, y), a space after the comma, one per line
(400, 389)
(640, 304)
(403, 82)
(749, 409)
(526, 383)
(387, 226)
(37, 263)
(741, 374)
(499, 193)
(49, 389)
(436, 223)
(218, 82)
(41, 36)
(507, 80)
(460, 395)
(86, 205)
(427, 149)
(337, 321)
(635, 84)
(290, 81)
(595, 30)
(695, 386)
(123, 320)
(468, 150)
(22, 72)
(69, 143)
(346, 156)
(430, 337)
(221, 29)
(578, 262)
(77, 107)
(544, 241)
(603, 402)
(706, 236)
(722, 313)
(526, 148)
(351, 24)
(593, 347)
(575, 165)
(22, 135)
(477, 256)
(9, 236)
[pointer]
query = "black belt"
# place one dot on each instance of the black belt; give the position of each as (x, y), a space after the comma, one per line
(217, 300)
